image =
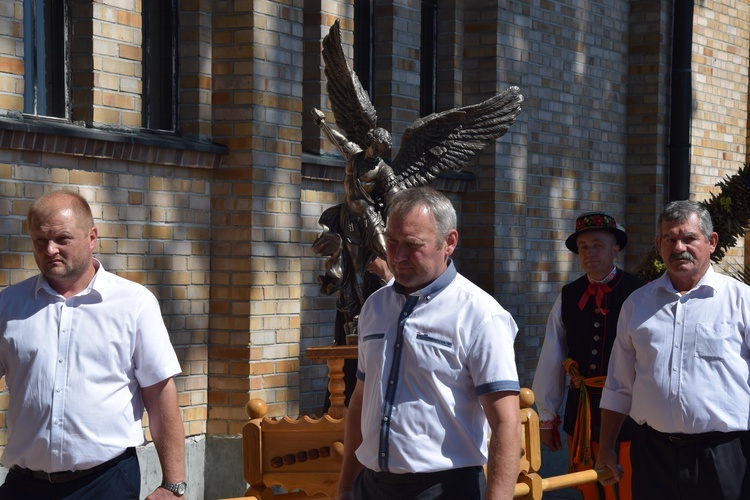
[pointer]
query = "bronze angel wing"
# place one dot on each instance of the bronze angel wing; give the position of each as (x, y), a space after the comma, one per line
(446, 141)
(352, 109)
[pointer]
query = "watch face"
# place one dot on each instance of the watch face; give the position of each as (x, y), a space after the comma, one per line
(181, 487)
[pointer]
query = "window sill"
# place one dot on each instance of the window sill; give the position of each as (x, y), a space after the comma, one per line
(56, 136)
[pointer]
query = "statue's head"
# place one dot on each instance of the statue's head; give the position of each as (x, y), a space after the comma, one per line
(379, 139)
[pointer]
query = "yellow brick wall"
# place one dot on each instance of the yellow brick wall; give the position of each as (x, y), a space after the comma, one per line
(11, 55)
(721, 48)
(154, 229)
(117, 60)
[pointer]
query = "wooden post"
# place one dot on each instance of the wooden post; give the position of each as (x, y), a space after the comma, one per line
(335, 356)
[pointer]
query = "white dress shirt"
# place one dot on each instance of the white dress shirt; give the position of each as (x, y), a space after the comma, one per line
(73, 368)
(453, 343)
(681, 363)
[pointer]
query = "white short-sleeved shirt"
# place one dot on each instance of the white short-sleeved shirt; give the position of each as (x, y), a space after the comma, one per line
(73, 369)
(681, 363)
(452, 343)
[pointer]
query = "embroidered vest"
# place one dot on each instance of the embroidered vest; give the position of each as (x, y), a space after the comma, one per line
(590, 337)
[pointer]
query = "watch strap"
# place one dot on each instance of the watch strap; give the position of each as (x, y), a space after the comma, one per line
(176, 488)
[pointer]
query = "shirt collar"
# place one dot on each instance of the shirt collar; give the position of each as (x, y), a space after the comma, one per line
(43, 284)
(607, 279)
(436, 286)
(709, 279)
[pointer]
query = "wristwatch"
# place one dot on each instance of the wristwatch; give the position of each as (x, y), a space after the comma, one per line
(176, 488)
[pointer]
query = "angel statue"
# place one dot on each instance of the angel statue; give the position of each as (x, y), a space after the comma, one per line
(353, 235)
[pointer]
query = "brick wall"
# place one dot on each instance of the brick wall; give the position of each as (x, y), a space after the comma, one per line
(648, 123)
(195, 56)
(11, 55)
(116, 63)
(255, 345)
(721, 41)
(154, 228)
(396, 55)
(222, 234)
(151, 196)
(721, 45)
(321, 187)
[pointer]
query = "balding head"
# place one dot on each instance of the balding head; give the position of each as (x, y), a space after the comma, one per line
(54, 201)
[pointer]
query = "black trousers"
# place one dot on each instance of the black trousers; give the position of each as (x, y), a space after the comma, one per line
(122, 481)
(710, 466)
(467, 483)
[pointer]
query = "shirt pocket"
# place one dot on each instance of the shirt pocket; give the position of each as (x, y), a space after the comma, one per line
(434, 341)
(372, 346)
(373, 336)
(372, 352)
(714, 341)
(435, 353)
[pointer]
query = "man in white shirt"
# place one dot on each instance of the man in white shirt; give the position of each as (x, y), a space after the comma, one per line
(83, 351)
(680, 367)
(436, 365)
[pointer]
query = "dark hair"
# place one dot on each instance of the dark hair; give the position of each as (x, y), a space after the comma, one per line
(440, 207)
(681, 211)
(81, 209)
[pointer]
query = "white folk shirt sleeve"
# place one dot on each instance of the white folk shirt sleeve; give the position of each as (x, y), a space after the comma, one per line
(681, 363)
(550, 377)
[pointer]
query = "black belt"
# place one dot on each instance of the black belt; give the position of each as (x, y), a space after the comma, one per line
(703, 438)
(422, 477)
(67, 476)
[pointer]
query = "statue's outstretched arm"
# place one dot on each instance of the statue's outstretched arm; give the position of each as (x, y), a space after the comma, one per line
(345, 147)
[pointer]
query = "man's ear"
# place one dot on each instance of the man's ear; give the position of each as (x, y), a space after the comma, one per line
(93, 237)
(451, 241)
(713, 241)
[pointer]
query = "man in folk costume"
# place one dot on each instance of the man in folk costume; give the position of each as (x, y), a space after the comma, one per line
(581, 330)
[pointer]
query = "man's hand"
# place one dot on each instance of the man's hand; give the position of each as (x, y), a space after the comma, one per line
(611, 424)
(608, 459)
(162, 494)
(551, 439)
(318, 116)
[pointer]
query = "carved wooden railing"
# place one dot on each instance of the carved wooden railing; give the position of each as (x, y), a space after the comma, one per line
(303, 455)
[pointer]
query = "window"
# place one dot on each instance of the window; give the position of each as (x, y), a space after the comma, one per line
(46, 62)
(160, 64)
(363, 44)
(428, 58)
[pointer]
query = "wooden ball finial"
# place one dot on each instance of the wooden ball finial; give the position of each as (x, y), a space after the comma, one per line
(526, 397)
(256, 408)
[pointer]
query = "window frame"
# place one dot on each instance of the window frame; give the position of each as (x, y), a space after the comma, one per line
(428, 58)
(155, 110)
(364, 60)
(39, 100)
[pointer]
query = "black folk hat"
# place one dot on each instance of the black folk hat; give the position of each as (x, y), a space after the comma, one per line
(600, 221)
